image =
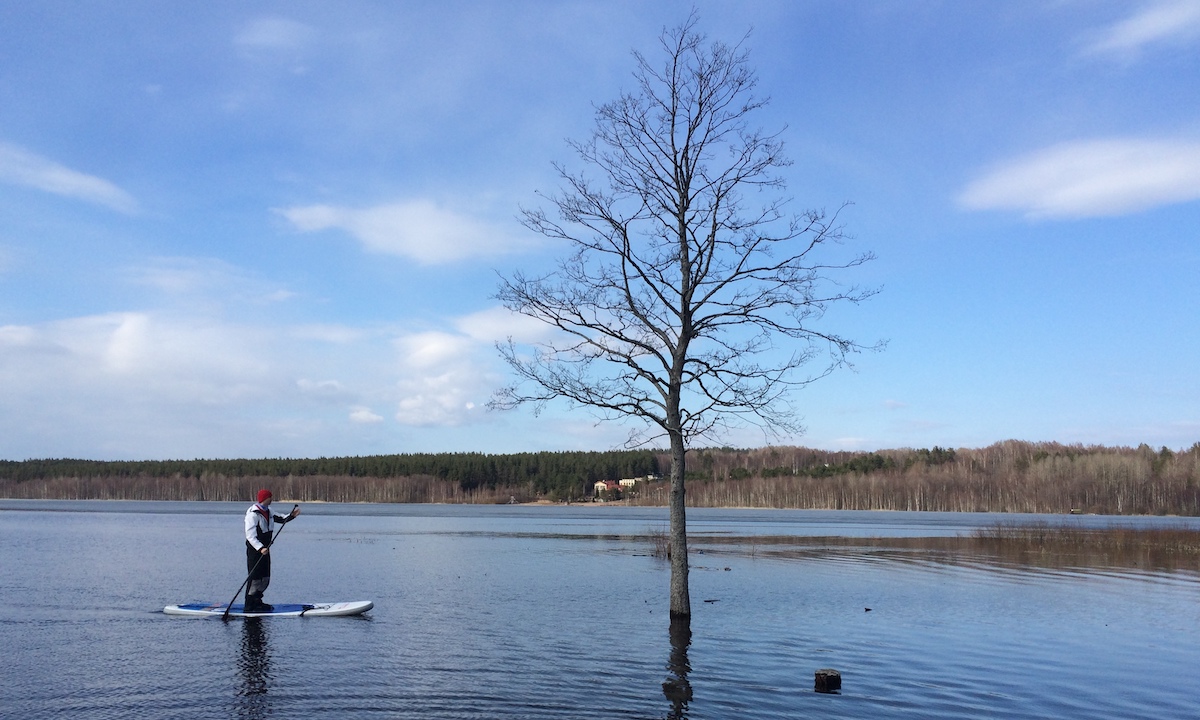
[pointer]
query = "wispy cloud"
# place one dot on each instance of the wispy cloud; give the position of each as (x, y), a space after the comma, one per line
(202, 275)
(322, 388)
(499, 323)
(19, 166)
(273, 33)
(1166, 21)
(417, 229)
(1092, 178)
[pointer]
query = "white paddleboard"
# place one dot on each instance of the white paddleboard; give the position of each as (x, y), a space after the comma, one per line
(357, 607)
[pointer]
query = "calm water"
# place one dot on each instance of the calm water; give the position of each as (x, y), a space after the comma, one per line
(560, 612)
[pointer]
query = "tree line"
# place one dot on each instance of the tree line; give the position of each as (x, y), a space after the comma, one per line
(1011, 476)
(419, 477)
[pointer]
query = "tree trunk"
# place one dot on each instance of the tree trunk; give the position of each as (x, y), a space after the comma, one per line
(681, 603)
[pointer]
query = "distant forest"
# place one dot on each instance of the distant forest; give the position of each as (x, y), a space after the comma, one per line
(1011, 476)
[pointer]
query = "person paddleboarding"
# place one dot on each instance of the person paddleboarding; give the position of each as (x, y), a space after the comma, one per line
(259, 532)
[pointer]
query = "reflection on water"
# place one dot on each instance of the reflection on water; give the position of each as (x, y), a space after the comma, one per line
(254, 665)
(677, 688)
(1093, 551)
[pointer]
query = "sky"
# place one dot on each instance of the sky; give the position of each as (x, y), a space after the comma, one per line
(276, 229)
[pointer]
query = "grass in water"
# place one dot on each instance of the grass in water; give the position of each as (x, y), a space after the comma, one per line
(1036, 544)
(1044, 536)
(660, 543)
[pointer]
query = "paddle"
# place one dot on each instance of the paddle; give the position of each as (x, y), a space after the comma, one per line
(251, 574)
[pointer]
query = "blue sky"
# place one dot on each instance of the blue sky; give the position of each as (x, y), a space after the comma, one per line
(235, 229)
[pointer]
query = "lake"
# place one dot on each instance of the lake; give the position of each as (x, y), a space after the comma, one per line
(561, 612)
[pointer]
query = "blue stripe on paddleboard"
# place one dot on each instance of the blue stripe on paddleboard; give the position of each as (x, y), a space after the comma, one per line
(239, 607)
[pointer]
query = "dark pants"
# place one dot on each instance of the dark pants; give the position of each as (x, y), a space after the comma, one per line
(259, 567)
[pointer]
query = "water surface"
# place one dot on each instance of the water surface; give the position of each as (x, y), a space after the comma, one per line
(551, 612)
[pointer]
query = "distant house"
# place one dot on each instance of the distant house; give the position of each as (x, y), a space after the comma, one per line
(630, 482)
(607, 487)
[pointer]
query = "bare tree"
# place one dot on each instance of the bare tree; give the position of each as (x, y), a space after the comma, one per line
(684, 306)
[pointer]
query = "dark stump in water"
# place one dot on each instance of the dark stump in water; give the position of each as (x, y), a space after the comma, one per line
(828, 681)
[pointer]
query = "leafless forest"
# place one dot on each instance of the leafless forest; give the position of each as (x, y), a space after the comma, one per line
(1010, 476)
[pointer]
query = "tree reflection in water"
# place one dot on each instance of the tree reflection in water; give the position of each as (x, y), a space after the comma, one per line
(676, 687)
(255, 667)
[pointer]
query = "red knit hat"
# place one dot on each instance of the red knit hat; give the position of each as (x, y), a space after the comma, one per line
(263, 495)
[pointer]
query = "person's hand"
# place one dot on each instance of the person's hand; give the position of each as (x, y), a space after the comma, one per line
(263, 551)
(295, 511)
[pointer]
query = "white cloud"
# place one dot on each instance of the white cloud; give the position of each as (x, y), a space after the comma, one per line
(134, 357)
(364, 416)
(214, 360)
(1171, 20)
(17, 335)
(144, 384)
(21, 167)
(417, 229)
(1092, 178)
(433, 350)
(499, 323)
(443, 378)
(187, 381)
(128, 344)
(151, 384)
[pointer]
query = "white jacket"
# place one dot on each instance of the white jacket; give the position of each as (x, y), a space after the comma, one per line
(258, 518)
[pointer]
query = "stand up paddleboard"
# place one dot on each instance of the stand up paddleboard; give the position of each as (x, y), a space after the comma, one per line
(281, 610)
